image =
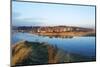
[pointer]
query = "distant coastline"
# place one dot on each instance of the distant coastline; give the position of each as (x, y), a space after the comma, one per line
(56, 31)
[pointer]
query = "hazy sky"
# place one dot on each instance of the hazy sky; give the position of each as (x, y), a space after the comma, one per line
(40, 14)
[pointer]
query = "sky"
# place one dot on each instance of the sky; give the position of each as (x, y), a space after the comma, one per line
(43, 14)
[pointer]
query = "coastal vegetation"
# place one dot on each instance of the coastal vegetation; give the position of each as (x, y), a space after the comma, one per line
(34, 53)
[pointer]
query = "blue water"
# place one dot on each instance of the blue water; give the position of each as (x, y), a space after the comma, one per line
(79, 45)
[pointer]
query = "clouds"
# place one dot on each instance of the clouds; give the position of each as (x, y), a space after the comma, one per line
(17, 20)
(25, 22)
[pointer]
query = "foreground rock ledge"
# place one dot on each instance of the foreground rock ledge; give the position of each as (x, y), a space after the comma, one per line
(35, 53)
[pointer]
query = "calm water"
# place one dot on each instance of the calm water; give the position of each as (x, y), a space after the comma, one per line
(79, 45)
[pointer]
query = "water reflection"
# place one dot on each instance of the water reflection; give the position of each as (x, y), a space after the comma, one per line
(79, 45)
(56, 36)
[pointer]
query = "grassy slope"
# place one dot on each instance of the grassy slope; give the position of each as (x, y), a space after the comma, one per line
(33, 53)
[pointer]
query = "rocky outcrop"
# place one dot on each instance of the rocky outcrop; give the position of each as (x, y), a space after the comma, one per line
(34, 53)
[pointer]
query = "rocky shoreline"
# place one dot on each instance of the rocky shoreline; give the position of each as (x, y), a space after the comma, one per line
(67, 34)
(34, 53)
